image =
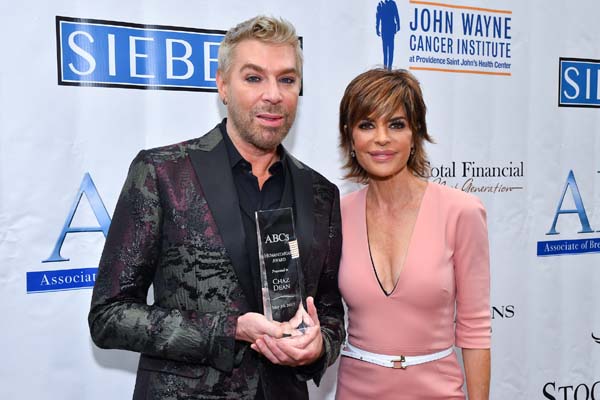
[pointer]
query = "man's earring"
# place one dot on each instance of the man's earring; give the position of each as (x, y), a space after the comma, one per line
(224, 101)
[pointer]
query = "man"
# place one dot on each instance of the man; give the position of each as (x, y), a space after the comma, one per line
(184, 223)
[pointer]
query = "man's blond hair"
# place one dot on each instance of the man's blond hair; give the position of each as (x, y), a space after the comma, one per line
(265, 29)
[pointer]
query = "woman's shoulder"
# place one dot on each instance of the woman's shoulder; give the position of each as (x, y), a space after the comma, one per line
(354, 196)
(353, 200)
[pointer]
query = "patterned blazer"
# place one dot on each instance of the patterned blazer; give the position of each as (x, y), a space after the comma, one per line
(177, 226)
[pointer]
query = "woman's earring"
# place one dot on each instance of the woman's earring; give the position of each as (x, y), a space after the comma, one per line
(352, 154)
(412, 151)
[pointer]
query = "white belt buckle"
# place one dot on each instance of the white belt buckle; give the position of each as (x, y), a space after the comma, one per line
(399, 363)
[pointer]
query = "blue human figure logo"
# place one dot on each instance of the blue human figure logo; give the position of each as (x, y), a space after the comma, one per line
(387, 25)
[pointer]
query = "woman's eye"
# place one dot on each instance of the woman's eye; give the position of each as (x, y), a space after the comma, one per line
(365, 125)
(398, 125)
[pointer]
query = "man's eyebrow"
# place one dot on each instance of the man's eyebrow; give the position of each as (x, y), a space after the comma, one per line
(260, 69)
(289, 71)
(254, 67)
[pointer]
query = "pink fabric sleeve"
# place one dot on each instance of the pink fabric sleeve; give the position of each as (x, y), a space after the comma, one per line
(472, 271)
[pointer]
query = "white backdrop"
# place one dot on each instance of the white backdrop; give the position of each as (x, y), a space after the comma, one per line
(502, 130)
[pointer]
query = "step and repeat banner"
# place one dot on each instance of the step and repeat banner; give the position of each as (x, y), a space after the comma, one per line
(513, 95)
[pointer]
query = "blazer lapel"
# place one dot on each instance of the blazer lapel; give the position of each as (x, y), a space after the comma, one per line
(303, 202)
(210, 162)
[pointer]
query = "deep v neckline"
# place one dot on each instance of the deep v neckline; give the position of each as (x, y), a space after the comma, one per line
(405, 259)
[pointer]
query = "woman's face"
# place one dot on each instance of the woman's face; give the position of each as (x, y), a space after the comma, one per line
(383, 146)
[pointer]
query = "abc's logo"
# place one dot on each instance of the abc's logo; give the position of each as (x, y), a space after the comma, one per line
(277, 237)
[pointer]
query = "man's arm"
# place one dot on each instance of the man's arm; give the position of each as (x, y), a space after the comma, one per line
(120, 317)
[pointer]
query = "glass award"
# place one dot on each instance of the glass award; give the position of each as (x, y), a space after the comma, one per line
(279, 257)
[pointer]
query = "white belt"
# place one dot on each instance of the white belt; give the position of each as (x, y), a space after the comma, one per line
(398, 362)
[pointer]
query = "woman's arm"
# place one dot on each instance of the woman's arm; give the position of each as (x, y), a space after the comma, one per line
(477, 373)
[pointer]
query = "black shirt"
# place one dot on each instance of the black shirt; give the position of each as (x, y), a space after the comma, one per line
(275, 193)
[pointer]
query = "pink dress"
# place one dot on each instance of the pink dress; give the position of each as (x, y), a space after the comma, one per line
(446, 269)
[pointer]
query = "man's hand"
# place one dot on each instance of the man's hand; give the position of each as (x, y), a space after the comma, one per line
(252, 326)
(298, 349)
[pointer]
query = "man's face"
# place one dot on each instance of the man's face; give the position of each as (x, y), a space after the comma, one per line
(261, 89)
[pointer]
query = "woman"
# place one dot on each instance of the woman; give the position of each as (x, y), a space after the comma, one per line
(415, 265)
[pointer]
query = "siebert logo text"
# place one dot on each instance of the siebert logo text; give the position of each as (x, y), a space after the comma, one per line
(579, 84)
(117, 54)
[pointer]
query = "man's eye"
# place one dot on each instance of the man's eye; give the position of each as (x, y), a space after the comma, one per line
(288, 80)
(252, 78)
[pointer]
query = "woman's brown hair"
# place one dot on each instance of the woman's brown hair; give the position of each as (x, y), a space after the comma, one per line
(380, 93)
